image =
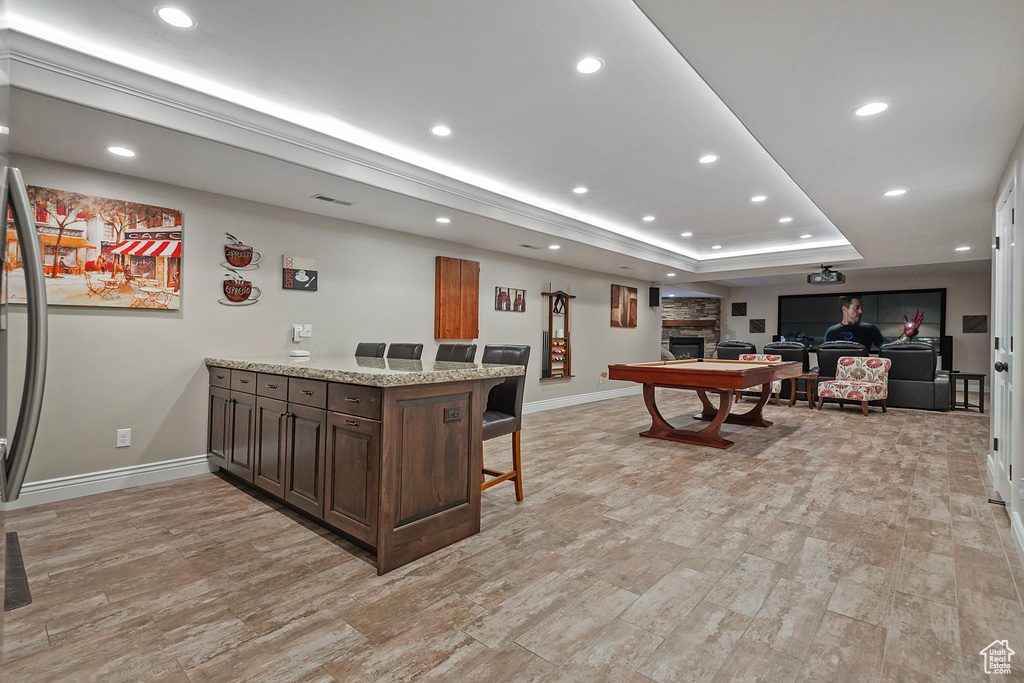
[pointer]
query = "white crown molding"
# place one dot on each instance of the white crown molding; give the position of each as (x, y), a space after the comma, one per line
(56, 71)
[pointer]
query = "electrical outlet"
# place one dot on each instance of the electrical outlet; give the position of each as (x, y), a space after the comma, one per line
(124, 438)
(307, 331)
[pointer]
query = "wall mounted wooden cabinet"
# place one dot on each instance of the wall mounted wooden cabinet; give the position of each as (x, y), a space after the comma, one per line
(456, 298)
(557, 359)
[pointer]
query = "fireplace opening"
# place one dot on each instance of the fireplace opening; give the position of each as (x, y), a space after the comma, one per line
(686, 347)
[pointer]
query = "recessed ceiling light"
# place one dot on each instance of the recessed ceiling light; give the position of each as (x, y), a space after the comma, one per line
(648, 219)
(579, 190)
(554, 246)
(963, 248)
(442, 219)
(717, 246)
(671, 275)
(708, 158)
(806, 237)
(686, 234)
(758, 198)
(786, 219)
(671, 294)
(441, 131)
(895, 193)
(589, 65)
(120, 151)
(175, 17)
(871, 109)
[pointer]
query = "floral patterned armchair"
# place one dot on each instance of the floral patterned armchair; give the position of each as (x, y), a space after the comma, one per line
(776, 385)
(858, 379)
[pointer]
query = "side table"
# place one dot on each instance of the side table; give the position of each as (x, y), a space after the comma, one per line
(966, 377)
(810, 381)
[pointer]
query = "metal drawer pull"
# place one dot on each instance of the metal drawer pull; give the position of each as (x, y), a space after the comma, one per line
(243, 381)
(307, 393)
(220, 376)
(351, 400)
(272, 386)
(352, 423)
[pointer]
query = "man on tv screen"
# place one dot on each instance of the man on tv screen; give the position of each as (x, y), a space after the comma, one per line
(852, 329)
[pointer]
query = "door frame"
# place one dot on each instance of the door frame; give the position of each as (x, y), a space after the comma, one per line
(1005, 301)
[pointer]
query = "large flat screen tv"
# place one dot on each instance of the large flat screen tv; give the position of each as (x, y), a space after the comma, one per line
(805, 317)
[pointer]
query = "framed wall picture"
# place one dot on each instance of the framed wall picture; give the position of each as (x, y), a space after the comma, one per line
(623, 306)
(101, 252)
(508, 299)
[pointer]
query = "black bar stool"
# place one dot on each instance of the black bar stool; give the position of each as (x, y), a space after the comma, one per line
(370, 349)
(458, 353)
(504, 412)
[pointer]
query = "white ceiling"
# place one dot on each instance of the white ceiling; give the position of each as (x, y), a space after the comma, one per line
(338, 98)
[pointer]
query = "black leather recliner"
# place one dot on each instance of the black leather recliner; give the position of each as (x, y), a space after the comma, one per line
(732, 349)
(504, 411)
(790, 351)
(458, 353)
(914, 381)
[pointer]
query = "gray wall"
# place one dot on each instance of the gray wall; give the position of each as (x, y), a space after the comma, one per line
(115, 368)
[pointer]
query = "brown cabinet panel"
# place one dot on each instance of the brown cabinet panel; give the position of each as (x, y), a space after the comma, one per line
(272, 386)
(218, 418)
(456, 298)
(270, 445)
(307, 392)
(353, 399)
(304, 462)
(244, 381)
(352, 475)
(243, 438)
(220, 377)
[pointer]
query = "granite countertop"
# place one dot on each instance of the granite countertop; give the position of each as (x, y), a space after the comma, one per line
(373, 372)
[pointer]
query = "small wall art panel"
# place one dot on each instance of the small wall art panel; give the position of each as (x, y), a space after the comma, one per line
(101, 252)
(623, 306)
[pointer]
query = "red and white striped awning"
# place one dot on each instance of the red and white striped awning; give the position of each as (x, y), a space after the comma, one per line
(170, 248)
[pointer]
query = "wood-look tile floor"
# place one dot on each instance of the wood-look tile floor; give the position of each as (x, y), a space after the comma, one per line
(831, 546)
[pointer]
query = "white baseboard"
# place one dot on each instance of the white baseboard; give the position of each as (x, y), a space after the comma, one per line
(578, 399)
(63, 488)
(1017, 533)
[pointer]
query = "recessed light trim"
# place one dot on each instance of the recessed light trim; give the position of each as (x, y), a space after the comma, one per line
(441, 131)
(554, 246)
(963, 249)
(580, 190)
(443, 219)
(758, 198)
(716, 246)
(806, 237)
(871, 109)
(895, 193)
(175, 17)
(686, 234)
(589, 65)
(708, 159)
(120, 151)
(648, 219)
(786, 219)
(670, 275)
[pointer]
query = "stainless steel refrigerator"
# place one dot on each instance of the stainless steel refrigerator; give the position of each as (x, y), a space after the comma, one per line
(20, 259)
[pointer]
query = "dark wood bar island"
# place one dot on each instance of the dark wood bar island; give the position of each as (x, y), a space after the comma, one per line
(387, 452)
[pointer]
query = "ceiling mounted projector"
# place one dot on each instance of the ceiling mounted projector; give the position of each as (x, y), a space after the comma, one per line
(827, 276)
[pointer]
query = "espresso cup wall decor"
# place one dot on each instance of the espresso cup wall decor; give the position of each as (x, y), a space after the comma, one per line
(241, 255)
(239, 291)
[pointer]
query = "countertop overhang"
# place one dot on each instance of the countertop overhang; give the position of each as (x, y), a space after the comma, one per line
(373, 372)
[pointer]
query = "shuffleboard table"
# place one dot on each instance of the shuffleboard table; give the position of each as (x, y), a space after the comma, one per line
(722, 377)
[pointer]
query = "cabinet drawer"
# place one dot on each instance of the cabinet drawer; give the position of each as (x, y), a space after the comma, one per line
(244, 381)
(220, 377)
(272, 386)
(353, 399)
(307, 392)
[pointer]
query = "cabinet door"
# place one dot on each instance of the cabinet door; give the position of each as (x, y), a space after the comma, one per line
(219, 425)
(243, 427)
(353, 475)
(269, 449)
(304, 459)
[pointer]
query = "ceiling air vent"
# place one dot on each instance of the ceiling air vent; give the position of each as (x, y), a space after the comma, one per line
(528, 246)
(332, 200)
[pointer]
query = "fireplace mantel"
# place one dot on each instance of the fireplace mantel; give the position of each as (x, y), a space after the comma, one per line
(689, 323)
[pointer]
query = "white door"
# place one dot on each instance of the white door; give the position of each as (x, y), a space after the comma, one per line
(1002, 375)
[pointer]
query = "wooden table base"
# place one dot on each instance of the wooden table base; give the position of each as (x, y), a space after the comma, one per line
(710, 435)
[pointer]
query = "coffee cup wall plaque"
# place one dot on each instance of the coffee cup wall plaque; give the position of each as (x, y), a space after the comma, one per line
(239, 256)
(238, 291)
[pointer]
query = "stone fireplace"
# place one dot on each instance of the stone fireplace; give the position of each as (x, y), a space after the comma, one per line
(686, 318)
